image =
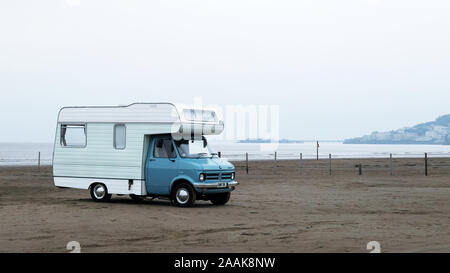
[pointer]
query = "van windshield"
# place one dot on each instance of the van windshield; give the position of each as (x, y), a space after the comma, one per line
(193, 148)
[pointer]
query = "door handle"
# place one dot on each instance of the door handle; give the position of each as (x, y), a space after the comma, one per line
(152, 159)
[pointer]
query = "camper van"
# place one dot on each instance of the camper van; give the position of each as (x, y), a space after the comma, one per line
(157, 150)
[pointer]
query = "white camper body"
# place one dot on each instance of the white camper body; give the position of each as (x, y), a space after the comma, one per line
(109, 145)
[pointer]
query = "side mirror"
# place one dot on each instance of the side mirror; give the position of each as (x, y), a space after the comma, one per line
(205, 143)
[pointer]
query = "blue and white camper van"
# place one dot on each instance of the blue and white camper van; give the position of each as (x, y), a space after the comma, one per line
(157, 150)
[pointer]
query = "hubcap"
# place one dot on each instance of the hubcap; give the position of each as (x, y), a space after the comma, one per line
(182, 196)
(99, 191)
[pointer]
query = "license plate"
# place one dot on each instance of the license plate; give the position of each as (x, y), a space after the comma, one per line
(222, 185)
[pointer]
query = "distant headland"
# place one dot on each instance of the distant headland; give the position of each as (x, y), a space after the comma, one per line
(435, 132)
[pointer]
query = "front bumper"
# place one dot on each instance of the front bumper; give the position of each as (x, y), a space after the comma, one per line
(216, 185)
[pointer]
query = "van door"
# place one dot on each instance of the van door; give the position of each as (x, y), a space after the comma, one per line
(162, 166)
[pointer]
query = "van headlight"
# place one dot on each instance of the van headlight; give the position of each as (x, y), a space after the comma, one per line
(202, 177)
(232, 176)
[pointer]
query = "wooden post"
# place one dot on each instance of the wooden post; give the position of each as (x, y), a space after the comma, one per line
(246, 160)
(39, 161)
(360, 169)
(317, 150)
(426, 164)
(390, 165)
(330, 164)
(300, 163)
(275, 164)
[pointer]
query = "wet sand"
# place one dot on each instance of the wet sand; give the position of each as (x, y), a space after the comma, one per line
(290, 211)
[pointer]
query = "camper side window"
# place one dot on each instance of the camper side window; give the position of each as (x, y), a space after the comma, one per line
(73, 136)
(120, 136)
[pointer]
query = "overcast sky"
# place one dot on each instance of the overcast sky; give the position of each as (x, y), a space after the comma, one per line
(337, 69)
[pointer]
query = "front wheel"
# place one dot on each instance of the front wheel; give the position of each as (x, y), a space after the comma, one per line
(99, 193)
(183, 195)
(220, 198)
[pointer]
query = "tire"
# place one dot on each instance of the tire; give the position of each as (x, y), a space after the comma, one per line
(183, 195)
(99, 193)
(220, 199)
(137, 198)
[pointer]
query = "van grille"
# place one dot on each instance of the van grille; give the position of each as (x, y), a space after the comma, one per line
(218, 176)
(212, 176)
(226, 176)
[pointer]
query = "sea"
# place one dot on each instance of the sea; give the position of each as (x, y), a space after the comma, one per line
(27, 154)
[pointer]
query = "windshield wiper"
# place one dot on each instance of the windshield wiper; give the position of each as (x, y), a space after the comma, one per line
(200, 155)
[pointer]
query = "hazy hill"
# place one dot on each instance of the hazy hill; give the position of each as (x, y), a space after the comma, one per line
(434, 132)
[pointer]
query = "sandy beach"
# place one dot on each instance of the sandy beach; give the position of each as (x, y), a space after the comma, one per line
(291, 210)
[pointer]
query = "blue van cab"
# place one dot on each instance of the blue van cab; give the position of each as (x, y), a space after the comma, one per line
(187, 170)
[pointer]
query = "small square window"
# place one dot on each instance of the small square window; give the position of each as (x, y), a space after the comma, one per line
(73, 136)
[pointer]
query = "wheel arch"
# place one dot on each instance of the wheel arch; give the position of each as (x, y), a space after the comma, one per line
(95, 183)
(179, 180)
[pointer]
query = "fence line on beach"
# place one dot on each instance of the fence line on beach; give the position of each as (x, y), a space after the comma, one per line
(360, 167)
(331, 168)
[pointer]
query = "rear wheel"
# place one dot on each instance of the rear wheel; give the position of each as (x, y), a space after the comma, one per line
(220, 198)
(183, 195)
(99, 193)
(137, 198)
